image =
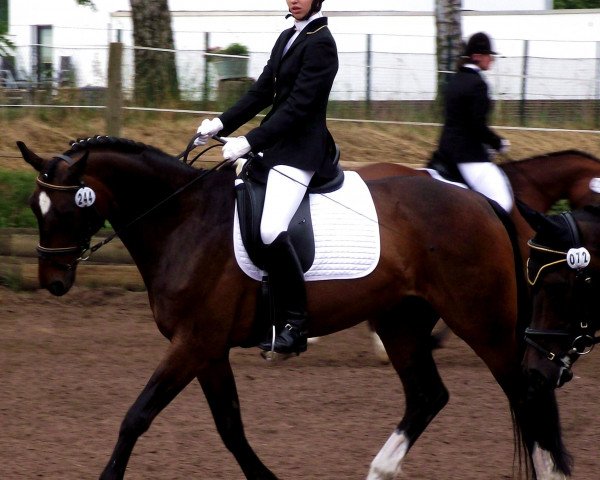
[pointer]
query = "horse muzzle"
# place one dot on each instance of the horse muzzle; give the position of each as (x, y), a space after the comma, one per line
(57, 281)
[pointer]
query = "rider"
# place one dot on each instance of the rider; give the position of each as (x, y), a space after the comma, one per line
(296, 144)
(466, 137)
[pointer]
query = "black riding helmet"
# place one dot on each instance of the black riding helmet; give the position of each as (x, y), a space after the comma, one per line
(478, 43)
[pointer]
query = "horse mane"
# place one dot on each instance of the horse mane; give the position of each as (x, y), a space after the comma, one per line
(560, 153)
(105, 141)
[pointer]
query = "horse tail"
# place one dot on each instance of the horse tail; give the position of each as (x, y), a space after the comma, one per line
(534, 412)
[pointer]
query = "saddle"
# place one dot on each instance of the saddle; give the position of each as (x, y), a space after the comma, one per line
(250, 189)
(448, 170)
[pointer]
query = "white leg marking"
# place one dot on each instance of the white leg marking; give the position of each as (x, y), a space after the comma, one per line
(544, 465)
(380, 352)
(386, 464)
(45, 202)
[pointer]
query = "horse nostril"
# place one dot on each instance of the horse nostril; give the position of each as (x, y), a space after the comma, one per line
(57, 289)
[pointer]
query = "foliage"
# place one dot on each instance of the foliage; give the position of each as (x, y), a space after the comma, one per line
(15, 190)
(233, 49)
(86, 3)
(560, 4)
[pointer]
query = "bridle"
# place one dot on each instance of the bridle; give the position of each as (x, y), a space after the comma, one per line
(583, 336)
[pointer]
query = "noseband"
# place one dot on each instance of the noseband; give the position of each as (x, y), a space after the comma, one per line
(583, 336)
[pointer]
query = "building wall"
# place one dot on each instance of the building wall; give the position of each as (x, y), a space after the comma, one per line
(402, 35)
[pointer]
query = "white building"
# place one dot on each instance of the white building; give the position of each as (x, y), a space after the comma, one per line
(400, 35)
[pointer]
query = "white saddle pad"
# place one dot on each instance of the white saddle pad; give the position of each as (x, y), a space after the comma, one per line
(346, 234)
(435, 174)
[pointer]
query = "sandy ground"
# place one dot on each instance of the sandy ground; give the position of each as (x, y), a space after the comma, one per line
(359, 142)
(72, 366)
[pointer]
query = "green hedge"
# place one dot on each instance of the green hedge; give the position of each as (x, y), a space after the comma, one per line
(15, 189)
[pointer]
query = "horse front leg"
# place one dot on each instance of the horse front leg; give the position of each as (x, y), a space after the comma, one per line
(218, 384)
(174, 373)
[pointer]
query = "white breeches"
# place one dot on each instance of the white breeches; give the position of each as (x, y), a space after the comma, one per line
(488, 179)
(286, 187)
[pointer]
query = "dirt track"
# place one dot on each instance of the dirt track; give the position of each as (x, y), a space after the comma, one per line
(72, 366)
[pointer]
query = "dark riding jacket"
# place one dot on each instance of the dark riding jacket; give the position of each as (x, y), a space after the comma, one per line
(297, 86)
(466, 135)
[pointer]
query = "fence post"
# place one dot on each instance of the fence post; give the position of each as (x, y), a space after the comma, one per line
(597, 89)
(522, 113)
(206, 92)
(368, 73)
(114, 95)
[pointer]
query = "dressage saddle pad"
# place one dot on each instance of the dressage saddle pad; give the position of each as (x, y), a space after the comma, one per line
(346, 234)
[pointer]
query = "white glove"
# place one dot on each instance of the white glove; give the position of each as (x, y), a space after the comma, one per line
(235, 148)
(504, 146)
(207, 129)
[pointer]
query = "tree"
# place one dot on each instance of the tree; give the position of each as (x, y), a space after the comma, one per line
(155, 71)
(560, 4)
(448, 40)
(5, 44)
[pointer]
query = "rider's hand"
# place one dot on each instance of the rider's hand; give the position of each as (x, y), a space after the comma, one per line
(235, 148)
(207, 129)
(504, 146)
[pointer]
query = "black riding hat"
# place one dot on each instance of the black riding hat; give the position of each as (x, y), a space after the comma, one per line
(479, 43)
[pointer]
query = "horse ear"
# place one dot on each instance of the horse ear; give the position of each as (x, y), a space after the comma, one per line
(78, 167)
(537, 220)
(30, 157)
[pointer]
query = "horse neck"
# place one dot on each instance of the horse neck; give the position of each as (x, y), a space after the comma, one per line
(542, 181)
(133, 187)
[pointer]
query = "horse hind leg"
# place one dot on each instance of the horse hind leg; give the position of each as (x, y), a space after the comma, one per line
(406, 337)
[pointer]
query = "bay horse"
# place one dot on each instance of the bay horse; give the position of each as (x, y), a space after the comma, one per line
(539, 181)
(444, 252)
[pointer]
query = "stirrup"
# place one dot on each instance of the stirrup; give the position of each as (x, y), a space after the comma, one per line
(273, 356)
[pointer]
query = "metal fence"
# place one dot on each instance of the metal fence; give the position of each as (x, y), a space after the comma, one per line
(390, 82)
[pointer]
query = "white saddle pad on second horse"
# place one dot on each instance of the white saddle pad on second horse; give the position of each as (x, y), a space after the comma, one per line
(346, 234)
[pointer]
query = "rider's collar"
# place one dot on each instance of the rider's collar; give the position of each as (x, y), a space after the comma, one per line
(472, 66)
(301, 24)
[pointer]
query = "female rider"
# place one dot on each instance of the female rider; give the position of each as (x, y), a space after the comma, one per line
(296, 144)
(466, 137)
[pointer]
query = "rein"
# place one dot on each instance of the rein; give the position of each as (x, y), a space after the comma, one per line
(84, 250)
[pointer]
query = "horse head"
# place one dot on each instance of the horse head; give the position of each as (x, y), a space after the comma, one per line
(564, 272)
(67, 216)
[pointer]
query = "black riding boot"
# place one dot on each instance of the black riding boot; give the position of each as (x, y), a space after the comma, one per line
(287, 282)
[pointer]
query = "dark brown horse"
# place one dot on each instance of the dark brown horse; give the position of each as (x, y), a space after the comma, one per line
(564, 271)
(444, 252)
(539, 181)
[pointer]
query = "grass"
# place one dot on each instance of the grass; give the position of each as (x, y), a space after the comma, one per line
(15, 189)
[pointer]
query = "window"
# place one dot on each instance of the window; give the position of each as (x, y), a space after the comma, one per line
(42, 57)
